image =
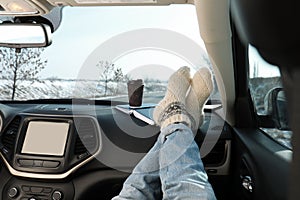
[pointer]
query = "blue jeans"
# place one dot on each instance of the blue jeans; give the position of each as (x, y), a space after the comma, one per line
(172, 169)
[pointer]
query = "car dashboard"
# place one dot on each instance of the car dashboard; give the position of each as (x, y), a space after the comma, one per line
(61, 150)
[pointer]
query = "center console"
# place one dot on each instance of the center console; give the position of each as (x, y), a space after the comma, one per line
(46, 148)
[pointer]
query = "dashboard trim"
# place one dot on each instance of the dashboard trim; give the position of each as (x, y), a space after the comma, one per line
(60, 175)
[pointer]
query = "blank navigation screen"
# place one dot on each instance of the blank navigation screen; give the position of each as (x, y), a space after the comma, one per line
(46, 138)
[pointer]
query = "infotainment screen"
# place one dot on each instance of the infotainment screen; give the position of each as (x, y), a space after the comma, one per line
(46, 138)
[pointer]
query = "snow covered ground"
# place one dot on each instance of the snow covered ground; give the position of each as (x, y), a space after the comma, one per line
(61, 89)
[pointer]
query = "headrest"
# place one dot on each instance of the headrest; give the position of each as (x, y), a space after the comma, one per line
(272, 26)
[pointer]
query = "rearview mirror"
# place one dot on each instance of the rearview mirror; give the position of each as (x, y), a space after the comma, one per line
(275, 103)
(21, 35)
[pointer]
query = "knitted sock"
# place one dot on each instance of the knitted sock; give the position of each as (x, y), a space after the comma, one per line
(171, 108)
(201, 87)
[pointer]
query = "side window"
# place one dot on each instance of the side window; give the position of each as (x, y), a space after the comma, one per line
(268, 98)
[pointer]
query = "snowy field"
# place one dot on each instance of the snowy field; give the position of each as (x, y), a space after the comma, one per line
(62, 89)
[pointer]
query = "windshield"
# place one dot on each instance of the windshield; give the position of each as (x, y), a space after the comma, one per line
(97, 50)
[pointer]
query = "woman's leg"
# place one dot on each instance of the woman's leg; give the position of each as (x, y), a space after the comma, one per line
(182, 172)
(176, 158)
(173, 166)
(144, 182)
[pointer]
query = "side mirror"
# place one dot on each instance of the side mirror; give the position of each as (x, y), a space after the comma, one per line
(24, 35)
(275, 104)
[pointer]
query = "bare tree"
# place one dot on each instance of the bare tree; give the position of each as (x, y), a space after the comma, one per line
(206, 59)
(18, 65)
(127, 77)
(255, 70)
(107, 73)
(118, 76)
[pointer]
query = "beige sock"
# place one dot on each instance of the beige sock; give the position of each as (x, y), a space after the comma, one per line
(171, 108)
(201, 87)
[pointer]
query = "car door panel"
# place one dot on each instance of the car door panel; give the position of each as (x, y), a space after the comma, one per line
(264, 161)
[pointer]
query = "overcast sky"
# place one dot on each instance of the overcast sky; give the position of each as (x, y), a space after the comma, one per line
(84, 29)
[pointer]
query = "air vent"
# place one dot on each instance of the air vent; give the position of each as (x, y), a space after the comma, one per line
(217, 155)
(8, 138)
(86, 141)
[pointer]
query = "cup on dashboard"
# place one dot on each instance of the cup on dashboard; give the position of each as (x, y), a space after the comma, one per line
(135, 92)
